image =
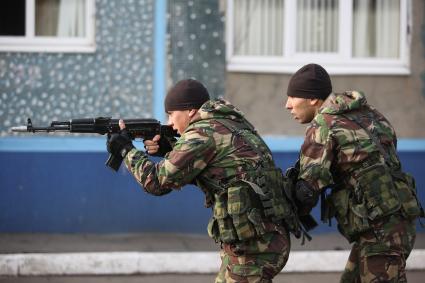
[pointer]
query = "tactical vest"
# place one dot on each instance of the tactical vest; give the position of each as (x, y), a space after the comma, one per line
(374, 190)
(251, 205)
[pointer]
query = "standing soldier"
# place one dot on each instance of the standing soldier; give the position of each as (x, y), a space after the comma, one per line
(221, 153)
(351, 148)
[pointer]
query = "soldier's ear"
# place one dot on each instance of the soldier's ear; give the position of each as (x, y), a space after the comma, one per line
(315, 101)
(192, 112)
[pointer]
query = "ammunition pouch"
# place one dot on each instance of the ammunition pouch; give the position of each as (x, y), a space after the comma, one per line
(242, 210)
(378, 193)
(234, 219)
(246, 205)
(406, 188)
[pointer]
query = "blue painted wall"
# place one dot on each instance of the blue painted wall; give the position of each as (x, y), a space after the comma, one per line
(64, 187)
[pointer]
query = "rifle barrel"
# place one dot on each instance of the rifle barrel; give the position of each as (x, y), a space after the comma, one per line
(25, 129)
(20, 129)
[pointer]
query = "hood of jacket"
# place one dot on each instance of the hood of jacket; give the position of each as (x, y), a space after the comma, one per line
(338, 103)
(218, 109)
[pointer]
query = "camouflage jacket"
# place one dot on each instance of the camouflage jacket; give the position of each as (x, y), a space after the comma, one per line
(351, 148)
(214, 158)
(204, 152)
(334, 145)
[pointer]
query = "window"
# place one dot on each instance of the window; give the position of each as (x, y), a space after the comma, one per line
(346, 36)
(47, 25)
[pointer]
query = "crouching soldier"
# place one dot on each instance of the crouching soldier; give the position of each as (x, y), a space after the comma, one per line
(351, 148)
(220, 152)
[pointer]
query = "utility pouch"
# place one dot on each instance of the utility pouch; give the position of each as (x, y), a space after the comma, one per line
(226, 230)
(281, 208)
(337, 205)
(237, 207)
(406, 190)
(358, 220)
(351, 216)
(254, 217)
(375, 185)
(213, 230)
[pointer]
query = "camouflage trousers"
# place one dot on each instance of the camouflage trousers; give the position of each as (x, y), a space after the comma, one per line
(254, 261)
(380, 255)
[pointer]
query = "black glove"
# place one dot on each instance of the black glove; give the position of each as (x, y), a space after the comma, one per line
(292, 174)
(306, 196)
(119, 144)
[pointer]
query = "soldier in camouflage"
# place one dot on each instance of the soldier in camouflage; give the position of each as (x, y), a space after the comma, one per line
(349, 157)
(222, 154)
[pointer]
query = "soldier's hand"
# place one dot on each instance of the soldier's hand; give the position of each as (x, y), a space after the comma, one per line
(306, 196)
(292, 173)
(119, 143)
(121, 124)
(152, 145)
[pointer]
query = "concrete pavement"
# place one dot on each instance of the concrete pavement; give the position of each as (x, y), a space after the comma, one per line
(321, 252)
(412, 277)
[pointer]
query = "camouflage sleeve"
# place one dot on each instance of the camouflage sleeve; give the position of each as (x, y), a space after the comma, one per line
(316, 156)
(190, 155)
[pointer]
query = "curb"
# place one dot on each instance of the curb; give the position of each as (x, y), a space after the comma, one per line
(128, 263)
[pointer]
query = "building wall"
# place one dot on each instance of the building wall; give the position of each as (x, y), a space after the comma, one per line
(196, 43)
(62, 185)
(400, 98)
(116, 80)
(66, 186)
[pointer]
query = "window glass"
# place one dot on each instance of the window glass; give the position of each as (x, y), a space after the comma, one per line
(62, 18)
(317, 26)
(12, 18)
(376, 28)
(46, 17)
(47, 26)
(347, 36)
(258, 27)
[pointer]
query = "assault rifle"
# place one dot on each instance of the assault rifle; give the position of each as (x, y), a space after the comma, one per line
(137, 128)
(307, 221)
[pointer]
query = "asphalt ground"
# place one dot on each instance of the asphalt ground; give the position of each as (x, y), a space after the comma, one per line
(154, 242)
(412, 277)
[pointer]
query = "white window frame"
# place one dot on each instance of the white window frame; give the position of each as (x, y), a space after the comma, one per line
(340, 63)
(32, 43)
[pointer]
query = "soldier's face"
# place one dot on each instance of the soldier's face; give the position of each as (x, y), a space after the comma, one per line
(179, 119)
(302, 109)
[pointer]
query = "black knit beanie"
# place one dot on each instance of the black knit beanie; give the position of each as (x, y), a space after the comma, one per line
(186, 94)
(311, 81)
